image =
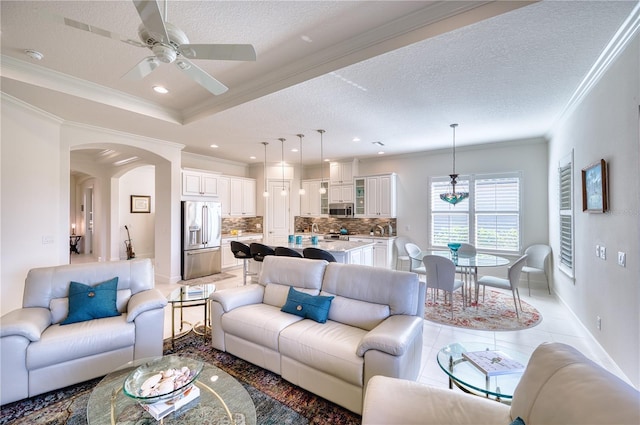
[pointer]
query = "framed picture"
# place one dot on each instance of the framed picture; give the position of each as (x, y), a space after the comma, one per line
(140, 204)
(594, 187)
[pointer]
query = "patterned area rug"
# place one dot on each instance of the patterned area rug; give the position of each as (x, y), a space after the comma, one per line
(277, 401)
(495, 313)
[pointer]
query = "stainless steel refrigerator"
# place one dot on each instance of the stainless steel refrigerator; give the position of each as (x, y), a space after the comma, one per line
(201, 238)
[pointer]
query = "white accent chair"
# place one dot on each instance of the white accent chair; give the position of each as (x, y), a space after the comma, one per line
(537, 262)
(511, 283)
(441, 274)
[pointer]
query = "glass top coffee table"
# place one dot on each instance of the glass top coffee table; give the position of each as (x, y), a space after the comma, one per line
(108, 405)
(472, 379)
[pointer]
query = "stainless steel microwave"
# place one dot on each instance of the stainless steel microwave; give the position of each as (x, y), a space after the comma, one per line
(344, 210)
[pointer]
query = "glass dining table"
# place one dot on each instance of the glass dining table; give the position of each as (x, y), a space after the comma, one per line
(466, 262)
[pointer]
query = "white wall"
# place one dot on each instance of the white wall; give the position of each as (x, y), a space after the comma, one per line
(35, 209)
(139, 181)
(414, 171)
(605, 126)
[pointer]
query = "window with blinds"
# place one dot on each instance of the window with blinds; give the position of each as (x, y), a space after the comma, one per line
(497, 213)
(489, 218)
(565, 174)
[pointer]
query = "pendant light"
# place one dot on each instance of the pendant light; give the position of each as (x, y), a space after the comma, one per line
(323, 189)
(283, 192)
(301, 191)
(454, 197)
(266, 192)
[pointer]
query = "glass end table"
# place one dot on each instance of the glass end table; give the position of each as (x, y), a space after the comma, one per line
(190, 296)
(220, 395)
(469, 378)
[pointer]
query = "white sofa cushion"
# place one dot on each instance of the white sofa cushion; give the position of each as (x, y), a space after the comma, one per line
(258, 323)
(328, 347)
(290, 271)
(357, 313)
(276, 294)
(59, 344)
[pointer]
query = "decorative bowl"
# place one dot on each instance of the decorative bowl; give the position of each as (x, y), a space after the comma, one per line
(454, 246)
(162, 378)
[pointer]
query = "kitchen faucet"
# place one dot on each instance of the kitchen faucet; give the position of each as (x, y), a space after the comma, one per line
(381, 229)
(314, 228)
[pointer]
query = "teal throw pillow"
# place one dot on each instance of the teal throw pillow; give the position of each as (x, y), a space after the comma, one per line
(92, 302)
(517, 421)
(307, 306)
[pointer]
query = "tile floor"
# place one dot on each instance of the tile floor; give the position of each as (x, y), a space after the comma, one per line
(558, 325)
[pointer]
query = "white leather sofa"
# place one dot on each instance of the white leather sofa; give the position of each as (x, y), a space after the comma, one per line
(38, 354)
(374, 326)
(559, 386)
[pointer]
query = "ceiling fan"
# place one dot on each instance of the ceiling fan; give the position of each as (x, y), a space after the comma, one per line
(170, 44)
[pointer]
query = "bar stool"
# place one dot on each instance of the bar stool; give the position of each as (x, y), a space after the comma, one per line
(242, 252)
(259, 251)
(318, 254)
(287, 252)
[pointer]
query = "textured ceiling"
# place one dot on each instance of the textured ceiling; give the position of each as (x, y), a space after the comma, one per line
(395, 72)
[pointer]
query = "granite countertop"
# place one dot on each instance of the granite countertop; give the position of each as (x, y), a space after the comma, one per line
(229, 236)
(351, 235)
(327, 245)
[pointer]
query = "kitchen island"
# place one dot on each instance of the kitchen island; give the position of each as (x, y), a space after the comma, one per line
(349, 252)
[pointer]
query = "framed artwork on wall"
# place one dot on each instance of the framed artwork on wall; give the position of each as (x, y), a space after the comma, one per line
(594, 187)
(140, 204)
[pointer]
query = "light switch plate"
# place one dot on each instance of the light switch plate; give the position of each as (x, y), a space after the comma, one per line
(603, 253)
(598, 251)
(622, 259)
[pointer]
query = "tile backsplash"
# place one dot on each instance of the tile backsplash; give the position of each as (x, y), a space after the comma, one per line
(357, 226)
(251, 224)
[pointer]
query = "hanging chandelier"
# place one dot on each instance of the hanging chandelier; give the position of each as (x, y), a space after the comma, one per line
(454, 197)
(301, 191)
(266, 192)
(323, 189)
(283, 192)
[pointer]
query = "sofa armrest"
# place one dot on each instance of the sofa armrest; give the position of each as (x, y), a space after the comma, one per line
(392, 401)
(144, 301)
(237, 297)
(393, 336)
(27, 322)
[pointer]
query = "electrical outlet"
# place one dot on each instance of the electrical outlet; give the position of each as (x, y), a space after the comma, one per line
(603, 253)
(599, 323)
(622, 259)
(46, 240)
(598, 251)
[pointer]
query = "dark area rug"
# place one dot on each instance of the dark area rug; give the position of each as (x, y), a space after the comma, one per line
(277, 401)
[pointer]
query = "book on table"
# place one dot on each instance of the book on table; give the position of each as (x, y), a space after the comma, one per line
(161, 409)
(493, 363)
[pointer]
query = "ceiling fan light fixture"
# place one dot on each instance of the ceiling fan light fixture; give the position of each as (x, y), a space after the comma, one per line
(454, 197)
(301, 191)
(164, 53)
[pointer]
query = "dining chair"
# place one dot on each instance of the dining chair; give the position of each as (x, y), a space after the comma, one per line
(415, 263)
(318, 254)
(242, 252)
(441, 275)
(537, 257)
(511, 283)
(259, 251)
(284, 251)
(401, 252)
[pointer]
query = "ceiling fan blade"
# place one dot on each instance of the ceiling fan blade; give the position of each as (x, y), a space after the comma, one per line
(201, 77)
(152, 19)
(230, 52)
(93, 29)
(142, 69)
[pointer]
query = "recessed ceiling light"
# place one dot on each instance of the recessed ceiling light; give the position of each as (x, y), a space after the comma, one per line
(380, 153)
(327, 160)
(214, 146)
(294, 150)
(160, 89)
(252, 157)
(34, 54)
(356, 139)
(306, 38)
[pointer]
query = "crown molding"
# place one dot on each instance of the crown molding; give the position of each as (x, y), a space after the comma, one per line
(28, 106)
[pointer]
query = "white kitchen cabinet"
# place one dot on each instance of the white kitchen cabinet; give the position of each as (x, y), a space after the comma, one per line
(378, 255)
(362, 256)
(198, 183)
(224, 194)
(313, 203)
(228, 260)
(341, 193)
(378, 196)
(242, 197)
(342, 172)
